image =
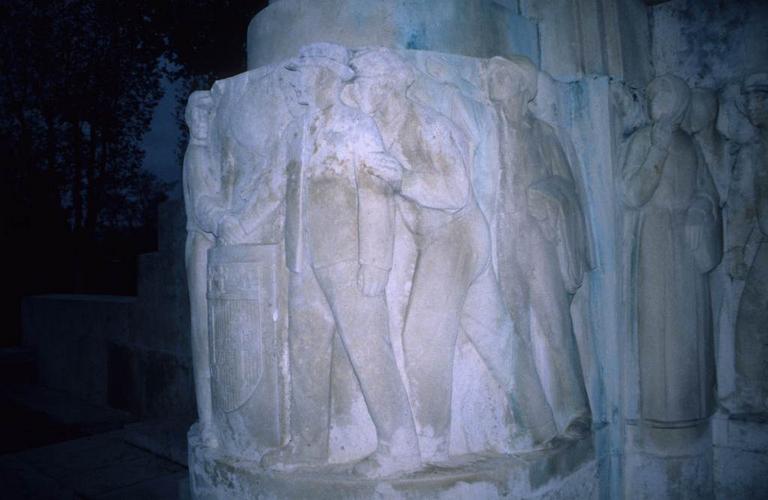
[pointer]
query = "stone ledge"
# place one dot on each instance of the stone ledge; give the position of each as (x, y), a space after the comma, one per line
(747, 432)
(569, 471)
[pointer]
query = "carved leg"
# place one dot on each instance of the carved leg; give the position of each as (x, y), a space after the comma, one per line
(752, 336)
(196, 260)
(444, 270)
(556, 353)
(507, 354)
(311, 330)
(362, 325)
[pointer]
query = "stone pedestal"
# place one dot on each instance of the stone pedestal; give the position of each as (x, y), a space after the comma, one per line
(740, 456)
(569, 471)
(669, 463)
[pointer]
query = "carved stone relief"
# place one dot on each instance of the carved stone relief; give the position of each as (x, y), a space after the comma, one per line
(403, 217)
(751, 336)
(676, 243)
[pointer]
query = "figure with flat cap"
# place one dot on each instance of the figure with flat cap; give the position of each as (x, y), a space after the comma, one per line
(454, 288)
(541, 252)
(339, 244)
(205, 208)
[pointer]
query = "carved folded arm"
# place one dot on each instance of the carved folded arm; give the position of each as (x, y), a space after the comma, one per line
(553, 202)
(261, 206)
(376, 215)
(642, 169)
(703, 228)
(201, 189)
(442, 182)
(208, 212)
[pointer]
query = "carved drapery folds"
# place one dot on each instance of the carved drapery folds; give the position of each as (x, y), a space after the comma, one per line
(674, 218)
(395, 215)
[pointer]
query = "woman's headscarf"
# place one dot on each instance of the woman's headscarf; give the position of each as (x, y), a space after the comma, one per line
(679, 90)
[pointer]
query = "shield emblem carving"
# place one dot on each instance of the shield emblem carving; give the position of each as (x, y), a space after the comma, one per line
(239, 294)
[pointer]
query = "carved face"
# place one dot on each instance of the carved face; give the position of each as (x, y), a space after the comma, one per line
(198, 113)
(511, 82)
(668, 98)
(757, 107)
(371, 92)
(199, 122)
(292, 90)
(318, 86)
(661, 102)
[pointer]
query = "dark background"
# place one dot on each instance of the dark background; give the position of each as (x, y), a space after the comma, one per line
(79, 81)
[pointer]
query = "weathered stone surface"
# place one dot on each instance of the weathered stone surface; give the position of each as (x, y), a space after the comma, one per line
(478, 28)
(376, 178)
(674, 214)
(592, 37)
(709, 43)
(564, 472)
(740, 456)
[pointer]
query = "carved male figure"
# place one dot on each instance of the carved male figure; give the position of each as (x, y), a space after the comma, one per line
(340, 260)
(541, 240)
(204, 207)
(453, 285)
(676, 244)
(752, 318)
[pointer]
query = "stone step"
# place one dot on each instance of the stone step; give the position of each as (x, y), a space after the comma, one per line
(96, 467)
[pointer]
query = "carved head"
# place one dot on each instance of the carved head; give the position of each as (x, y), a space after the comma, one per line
(756, 92)
(702, 110)
(197, 113)
(668, 98)
(381, 75)
(293, 91)
(512, 79)
(322, 67)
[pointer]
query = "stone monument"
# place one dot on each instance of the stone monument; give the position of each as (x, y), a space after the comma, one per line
(421, 267)
(368, 308)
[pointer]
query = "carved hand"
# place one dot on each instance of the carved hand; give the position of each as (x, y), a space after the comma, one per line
(230, 232)
(698, 219)
(738, 268)
(372, 280)
(385, 167)
(661, 134)
(544, 209)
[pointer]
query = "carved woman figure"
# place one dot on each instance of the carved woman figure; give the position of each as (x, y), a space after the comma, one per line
(676, 244)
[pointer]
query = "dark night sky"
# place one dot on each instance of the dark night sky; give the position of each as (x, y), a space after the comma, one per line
(79, 83)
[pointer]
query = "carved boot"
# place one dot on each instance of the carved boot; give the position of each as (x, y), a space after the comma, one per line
(389, 460)
(293, 455)
(208, 435)
(578, 428)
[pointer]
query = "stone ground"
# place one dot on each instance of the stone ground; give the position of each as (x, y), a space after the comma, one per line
(54, 447)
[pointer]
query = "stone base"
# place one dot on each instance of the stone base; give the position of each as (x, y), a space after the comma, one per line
(740, 456)
(566, 472)
(669, 463)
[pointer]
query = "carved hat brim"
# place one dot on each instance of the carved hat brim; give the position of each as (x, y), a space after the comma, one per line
(343, 71)
(757, 82)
